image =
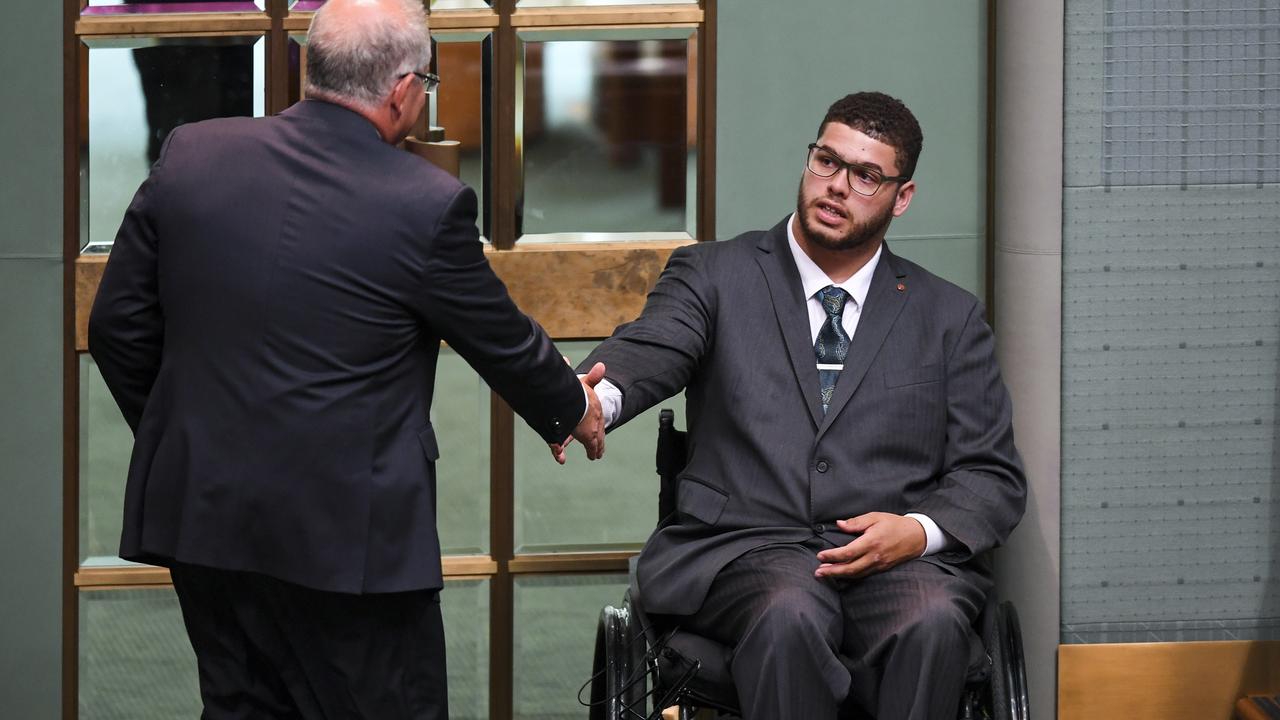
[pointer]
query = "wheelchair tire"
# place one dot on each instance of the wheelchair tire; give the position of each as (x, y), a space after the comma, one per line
(617, 682)
(1008, 667)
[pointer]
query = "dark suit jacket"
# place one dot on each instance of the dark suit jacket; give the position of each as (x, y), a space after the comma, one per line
(920, 420)
(269, 323)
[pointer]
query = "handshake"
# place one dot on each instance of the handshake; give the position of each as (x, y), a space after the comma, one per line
(590, 430)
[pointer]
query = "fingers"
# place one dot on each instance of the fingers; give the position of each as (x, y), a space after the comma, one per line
(594, 375)
(884, 541)
(557, 450)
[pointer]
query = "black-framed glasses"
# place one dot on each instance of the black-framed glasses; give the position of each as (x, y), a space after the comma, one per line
(430, 81)
(863, 179)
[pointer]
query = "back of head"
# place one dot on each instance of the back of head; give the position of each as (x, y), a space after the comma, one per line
(357, 49)
(882, 118)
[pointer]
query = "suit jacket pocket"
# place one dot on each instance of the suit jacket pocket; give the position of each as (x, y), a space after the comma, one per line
(902, 377)
(701, 501)
(429, 447)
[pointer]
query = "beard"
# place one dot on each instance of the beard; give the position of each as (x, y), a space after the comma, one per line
(859, 235)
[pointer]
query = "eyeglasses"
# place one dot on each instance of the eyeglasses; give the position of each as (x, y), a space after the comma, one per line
(430, 81)
(863, 179)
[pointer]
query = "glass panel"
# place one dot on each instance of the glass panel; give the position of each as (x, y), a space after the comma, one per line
(462, 472)
(555, 630)
(139, 90)
(135, 660)
(582, 3)
(131, 7)
(105, 446)
(575, 506)
(606, 123)
(465, 604)
(460, 416)
(461, 108)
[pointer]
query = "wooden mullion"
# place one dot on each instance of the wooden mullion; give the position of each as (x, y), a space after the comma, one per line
(503, 129)
(199, 24)
(706, 221)
(562, 563)
(502, 547)
(75, 58)
(612, 16)
(277, 84)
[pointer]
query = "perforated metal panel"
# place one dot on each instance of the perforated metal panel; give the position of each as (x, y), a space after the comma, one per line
(1171, 321)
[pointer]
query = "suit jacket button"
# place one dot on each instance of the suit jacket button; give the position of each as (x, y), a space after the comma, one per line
(819, 528)
(822, 466)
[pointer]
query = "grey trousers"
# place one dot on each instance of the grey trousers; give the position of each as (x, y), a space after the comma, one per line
(905, 631)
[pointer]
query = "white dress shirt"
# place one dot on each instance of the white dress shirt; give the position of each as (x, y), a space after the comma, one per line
(812, 279)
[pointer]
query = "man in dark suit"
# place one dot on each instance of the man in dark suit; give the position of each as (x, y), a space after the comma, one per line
(269, 323)
(851, 457)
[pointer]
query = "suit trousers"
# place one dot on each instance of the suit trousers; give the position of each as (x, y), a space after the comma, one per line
(266, 648)
(895, 643)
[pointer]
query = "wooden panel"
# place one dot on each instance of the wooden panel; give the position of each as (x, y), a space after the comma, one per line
(203, 24)
(652, 15)
(582, 291)
(1164, 681)
(574, 291)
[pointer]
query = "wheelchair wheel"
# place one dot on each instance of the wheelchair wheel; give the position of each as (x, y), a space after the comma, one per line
(618, 677)
(1008, 667)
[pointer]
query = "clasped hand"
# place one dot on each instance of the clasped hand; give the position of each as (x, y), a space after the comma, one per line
(884, 540)
(590, 430)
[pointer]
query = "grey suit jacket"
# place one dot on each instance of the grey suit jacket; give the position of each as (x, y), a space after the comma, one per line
(920, 420)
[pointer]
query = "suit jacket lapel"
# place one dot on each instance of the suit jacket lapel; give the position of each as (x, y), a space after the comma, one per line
(884, 303)
(783, 279)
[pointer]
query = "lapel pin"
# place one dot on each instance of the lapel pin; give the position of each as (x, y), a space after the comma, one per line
(901, 287)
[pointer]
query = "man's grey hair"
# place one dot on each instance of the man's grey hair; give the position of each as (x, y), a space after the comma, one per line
(359, 59)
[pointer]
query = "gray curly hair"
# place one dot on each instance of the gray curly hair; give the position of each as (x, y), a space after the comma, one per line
(357, 55)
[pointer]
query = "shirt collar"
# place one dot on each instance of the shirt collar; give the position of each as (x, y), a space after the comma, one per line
(813, 279)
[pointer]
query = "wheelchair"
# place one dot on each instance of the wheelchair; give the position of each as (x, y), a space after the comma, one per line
(639, 670)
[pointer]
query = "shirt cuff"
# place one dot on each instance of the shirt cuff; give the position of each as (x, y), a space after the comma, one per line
(610, 401)
(935, 540)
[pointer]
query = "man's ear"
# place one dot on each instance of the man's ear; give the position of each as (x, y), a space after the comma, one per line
(903, 199)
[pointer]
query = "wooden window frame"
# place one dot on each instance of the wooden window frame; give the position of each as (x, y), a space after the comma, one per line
(537, 275)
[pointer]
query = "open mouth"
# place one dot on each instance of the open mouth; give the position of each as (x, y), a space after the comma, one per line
(829, 213)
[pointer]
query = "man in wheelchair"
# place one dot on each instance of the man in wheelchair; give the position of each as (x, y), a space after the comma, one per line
(850, 454)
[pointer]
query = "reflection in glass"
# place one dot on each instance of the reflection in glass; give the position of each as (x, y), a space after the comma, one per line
(459, 108)
(139, 90)
(575, 506)
(135, 659)
(460, 417)
(465, 605)
(606, 129)
(555, 628)
(142, 7)
(105, 445)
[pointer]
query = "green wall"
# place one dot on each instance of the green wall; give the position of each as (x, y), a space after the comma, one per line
(780, 65)
(31, 359)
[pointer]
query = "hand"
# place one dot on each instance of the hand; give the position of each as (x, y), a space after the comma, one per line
(884, 540)
(590, 431)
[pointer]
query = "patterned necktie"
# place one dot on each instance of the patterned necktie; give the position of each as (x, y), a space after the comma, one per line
(832, 345)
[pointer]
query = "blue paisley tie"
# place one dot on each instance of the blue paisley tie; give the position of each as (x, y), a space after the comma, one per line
(832, 345)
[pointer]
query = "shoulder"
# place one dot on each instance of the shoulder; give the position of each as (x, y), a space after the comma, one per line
(940, 295)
